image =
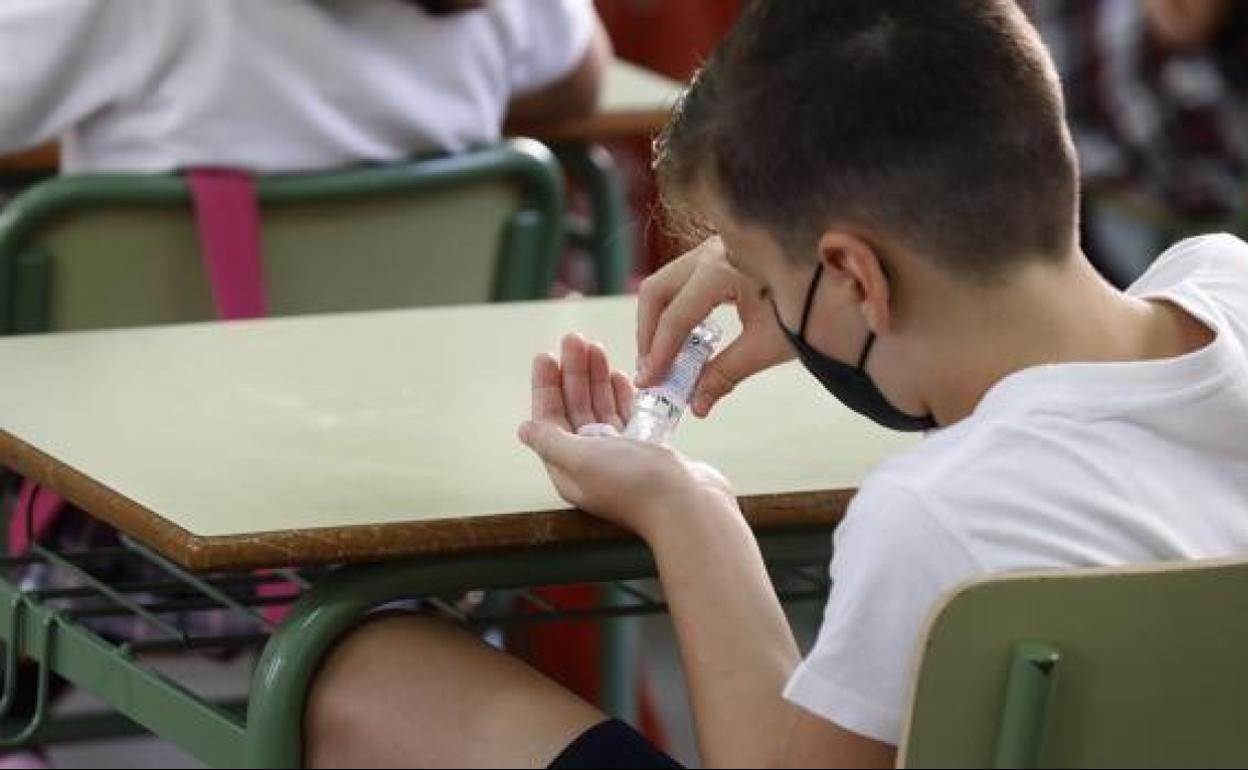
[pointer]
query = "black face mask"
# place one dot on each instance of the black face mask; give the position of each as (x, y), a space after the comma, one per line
(850, 384)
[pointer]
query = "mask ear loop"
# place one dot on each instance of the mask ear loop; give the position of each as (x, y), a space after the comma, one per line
(866, 351)
(810, 300)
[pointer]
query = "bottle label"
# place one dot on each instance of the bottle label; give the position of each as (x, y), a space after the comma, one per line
(678, 386)
(656, 410)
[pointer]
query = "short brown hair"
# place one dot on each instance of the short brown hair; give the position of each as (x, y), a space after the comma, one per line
(938, 123)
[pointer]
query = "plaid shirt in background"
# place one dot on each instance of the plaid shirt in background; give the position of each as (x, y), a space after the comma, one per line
(1165, 126)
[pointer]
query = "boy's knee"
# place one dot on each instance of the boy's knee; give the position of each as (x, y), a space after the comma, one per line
(328, 727)
(338, 713)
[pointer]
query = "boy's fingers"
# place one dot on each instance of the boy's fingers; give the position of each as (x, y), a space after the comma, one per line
(654, 294)
(688, 308)
(601, 393)
(747, 355)
(624, 392)
(576, 385)
(713, 385)
(547, 390)
(551, 443)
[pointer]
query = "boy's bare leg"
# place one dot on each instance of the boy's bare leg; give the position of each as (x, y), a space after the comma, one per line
(418, 692)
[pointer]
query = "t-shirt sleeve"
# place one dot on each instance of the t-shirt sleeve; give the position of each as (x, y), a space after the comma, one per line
(64, 60)
(1208, 259)
(892, 562)
(550, 37)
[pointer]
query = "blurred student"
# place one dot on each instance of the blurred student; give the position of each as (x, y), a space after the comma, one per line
(1156, 93)
(286, 85)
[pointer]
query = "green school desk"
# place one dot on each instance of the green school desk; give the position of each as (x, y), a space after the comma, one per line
(383, 443)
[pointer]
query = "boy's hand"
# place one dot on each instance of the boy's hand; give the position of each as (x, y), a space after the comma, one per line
(676, 298)
(634, 484)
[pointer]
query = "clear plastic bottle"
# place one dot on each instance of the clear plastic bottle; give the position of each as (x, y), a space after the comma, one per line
(658, 409)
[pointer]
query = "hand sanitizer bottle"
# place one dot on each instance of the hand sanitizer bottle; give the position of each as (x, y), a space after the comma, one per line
(656, 410)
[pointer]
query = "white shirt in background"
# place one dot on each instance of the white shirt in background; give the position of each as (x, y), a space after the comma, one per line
(1059, 466)
(271, 85)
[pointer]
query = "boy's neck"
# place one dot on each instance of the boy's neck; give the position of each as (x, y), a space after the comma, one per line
(1050, 315)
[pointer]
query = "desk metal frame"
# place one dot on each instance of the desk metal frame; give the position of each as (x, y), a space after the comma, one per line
(47, 628)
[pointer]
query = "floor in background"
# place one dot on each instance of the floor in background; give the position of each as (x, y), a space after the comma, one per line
(659, 656)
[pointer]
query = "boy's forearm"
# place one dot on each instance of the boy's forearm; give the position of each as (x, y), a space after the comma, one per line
(735, 641)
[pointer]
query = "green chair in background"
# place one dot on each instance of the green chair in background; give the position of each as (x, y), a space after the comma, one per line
(607, 236)
(1132, 667)
(100, 251)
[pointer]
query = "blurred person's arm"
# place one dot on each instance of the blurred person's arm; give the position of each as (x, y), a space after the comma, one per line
(65, 59)
(1179, 24)
(574, 95)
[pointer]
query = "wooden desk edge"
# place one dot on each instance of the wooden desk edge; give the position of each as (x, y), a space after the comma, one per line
(374, 542)
(595, 128)
(44, 158)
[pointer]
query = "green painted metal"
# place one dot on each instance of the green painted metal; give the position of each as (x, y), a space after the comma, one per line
(608, 237)
(1153, 669)
(1025, 715)
(435, 230)
(621, 643)
(204, 587)
(33, 272)
(11, 657)
(47, 626)
(117, 597)
(523, 272)
(97, 726)
(203, 729)
(270, 734)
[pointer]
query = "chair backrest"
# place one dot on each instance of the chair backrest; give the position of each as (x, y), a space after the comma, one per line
(100, 251)
(1133, 667)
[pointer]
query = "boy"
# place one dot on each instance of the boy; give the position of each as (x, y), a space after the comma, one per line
(894, 195)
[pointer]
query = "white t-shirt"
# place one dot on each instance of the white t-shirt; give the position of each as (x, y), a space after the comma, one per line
(1059, 466)
(271, 85)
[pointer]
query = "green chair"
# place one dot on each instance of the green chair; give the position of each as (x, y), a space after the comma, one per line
(1132, 667)
(101, 251)
(607, 235)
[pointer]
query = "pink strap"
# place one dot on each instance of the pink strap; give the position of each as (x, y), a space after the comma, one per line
(43, 506)
(227, 215)
(228, 219)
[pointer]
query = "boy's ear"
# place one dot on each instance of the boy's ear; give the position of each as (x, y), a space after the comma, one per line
(853, 266)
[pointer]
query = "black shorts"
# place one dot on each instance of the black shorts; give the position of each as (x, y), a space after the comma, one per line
(609, 745)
